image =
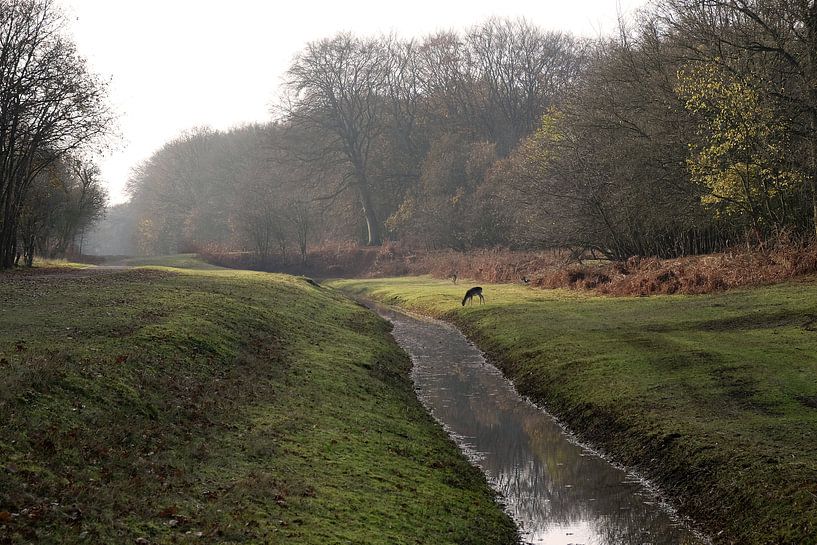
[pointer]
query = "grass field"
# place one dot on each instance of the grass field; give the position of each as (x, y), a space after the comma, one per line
(180, 261)
(169, 406)
(714, 397)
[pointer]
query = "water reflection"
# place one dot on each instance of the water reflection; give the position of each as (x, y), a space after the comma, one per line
(558, 492)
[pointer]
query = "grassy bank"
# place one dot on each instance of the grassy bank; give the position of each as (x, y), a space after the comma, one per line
(181, 261)
(713, 396)
(161, 406)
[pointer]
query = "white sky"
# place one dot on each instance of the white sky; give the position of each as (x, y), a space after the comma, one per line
(178, 64)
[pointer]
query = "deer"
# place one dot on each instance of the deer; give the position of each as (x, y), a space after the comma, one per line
(471, 293)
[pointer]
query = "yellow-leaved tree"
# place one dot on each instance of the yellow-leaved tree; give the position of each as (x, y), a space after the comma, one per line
(738, 157)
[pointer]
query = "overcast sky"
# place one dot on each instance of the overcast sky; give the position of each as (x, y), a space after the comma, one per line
(178, 64)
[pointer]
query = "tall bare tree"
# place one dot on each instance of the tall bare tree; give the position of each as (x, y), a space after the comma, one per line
(522, 71)
(50, 105)
(335, 90)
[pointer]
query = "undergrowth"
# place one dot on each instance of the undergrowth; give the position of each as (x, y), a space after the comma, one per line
(551, 269)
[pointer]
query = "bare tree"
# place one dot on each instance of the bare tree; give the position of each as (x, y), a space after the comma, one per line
(447, 79)
(63, 200)
(522, 71)
(300, 214)
(335, 91)
(50, 105)
(179, 192)
(86, 199)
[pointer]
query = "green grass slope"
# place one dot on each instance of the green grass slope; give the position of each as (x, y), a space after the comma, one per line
(714, 397)
(157, 406)
(179, 261)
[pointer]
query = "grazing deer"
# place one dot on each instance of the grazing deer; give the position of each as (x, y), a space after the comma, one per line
(471, 293)
(525, 280)
(453, 277)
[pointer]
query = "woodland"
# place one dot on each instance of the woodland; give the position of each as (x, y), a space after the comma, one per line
(691, 130)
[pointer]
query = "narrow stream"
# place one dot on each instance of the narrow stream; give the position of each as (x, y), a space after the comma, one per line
(558, 492)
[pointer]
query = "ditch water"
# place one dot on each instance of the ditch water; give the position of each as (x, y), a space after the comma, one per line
(557, 491)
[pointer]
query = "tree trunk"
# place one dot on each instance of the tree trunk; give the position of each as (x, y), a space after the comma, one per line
(372, 223)
(30, 252)
(7, 236)
(811, 73)
(813, 173)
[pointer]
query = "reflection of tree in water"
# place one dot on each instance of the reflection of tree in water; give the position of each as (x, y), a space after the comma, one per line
(550, 484)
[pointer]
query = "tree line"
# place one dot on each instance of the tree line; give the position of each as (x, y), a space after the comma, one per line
(52, 109)
(691, 129)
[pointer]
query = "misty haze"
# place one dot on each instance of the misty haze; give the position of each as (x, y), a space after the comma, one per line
(439, 273)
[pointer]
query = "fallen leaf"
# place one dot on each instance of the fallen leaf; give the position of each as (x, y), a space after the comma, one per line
(168, 511)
